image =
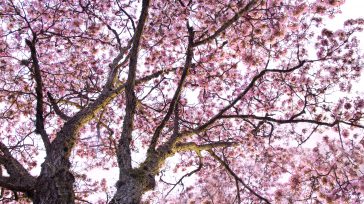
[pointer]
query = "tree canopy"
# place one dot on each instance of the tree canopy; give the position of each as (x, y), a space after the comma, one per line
(252, 99)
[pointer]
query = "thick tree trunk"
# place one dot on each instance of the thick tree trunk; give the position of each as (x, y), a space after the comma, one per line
(132, 185)
(55, 183)
(128, 193)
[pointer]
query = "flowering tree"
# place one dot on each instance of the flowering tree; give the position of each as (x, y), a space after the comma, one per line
(246, 96)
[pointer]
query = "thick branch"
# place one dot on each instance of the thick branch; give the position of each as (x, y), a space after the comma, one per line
(103, 99)
(20, 179)
(156, 158)
(17, 184)
(191, 146)
(228, 23)
(39, 122)
(123, 151)
(107, 95)
(231, 172)
(187, 66)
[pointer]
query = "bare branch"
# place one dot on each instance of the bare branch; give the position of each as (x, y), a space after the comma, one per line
(237, 190)
(127, 14)
(176, 120)
(188, 174)
(291, 121)
(114, 66)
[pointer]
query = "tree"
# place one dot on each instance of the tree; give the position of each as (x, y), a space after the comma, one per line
(246, 96)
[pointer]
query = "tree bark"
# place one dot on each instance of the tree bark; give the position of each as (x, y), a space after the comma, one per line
(55, 182)
(132, 185)
(129, 192)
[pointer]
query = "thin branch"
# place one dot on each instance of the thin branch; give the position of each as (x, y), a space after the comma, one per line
(56, 107)
(127, 14)
(188, 174)
(237, 190)
(341, 139)
(308, 137)
(287, 121)
(231, 172)
(114, 66)
(228, 23)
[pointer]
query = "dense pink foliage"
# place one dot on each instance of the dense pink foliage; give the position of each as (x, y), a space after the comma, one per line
(273, 89)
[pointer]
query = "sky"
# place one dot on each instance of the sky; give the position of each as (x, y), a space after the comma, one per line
(351, 9)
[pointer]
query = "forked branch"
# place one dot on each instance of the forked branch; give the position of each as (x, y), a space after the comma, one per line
(232, 173)
(123, 151)
(188, 174)
(177, 93)
(239, 97)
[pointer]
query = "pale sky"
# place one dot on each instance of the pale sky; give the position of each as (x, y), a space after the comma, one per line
(351, 9)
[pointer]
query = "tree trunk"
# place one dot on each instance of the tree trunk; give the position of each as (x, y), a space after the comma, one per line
(128, 193)
(132, 185)
(55, 184)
